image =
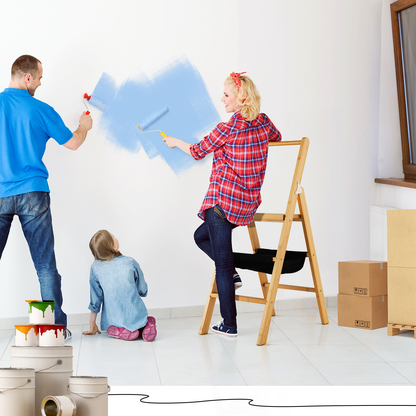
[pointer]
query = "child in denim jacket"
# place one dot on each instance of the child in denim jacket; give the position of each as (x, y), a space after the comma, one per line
(117, 284)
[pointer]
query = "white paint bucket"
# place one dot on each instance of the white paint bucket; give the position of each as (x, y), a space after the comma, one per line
(17, 391)
(51, 335)
(90, 395)
(58, 406)
(41, 312)
(26, 335)
(53, 367)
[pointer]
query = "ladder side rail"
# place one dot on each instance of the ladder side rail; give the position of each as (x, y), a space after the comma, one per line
(284, 238)
(313, 260)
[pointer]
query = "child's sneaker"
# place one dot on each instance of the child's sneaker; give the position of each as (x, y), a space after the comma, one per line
(149, 331)
(122, 333)
(237, 282)
(220, 328)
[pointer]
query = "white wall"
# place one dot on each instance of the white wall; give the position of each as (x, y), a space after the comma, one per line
(317, 66)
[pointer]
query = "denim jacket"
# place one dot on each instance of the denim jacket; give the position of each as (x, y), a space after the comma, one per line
(118, 285)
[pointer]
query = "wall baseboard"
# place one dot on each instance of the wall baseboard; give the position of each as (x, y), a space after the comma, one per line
(185, 311)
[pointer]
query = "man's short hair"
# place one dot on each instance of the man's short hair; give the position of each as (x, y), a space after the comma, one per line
(25, 64)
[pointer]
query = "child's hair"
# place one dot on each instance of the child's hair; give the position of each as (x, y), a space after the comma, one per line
(102, 246)
(248, 97)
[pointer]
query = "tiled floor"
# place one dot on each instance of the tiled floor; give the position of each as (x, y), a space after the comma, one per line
(299, 352)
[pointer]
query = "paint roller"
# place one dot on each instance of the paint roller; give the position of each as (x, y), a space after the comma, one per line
(95, 101)
(151, 119)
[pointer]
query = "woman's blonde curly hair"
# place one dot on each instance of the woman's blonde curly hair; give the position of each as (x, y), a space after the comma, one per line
(248, 98)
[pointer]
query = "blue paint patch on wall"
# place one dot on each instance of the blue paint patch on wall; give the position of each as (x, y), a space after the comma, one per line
(181, 88)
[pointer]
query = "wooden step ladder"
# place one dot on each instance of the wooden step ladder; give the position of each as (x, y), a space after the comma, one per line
(297, 195)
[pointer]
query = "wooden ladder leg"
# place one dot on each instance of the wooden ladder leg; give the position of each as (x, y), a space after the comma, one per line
(313, 261)
(209, 308)
(270, 302)
(255, 243)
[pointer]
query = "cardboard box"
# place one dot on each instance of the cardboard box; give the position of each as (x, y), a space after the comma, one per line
(402, 295)
(362, 278)
(362, 312)
(401, 237)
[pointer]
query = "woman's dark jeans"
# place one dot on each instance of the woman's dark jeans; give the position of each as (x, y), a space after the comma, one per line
(213, 237)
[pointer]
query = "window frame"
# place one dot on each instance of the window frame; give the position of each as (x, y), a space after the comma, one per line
(409, 169)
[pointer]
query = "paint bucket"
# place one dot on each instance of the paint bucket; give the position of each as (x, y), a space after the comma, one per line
(26, 335)
(58, 406)
(17, 391)
(41, 312)
(51, 335)
(53, 367)
(90, 395)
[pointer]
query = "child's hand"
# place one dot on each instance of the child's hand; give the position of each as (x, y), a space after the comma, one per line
(93, 330)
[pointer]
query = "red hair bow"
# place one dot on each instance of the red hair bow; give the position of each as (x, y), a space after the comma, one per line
(234, 76)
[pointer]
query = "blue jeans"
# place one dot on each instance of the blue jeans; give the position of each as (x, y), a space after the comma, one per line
(33, 210)
(213, 237)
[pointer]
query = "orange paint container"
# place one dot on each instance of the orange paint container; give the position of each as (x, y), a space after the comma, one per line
(26, 335)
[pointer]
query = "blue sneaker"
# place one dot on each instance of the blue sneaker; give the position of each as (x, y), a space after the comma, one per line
(220, 328)
(237, 282)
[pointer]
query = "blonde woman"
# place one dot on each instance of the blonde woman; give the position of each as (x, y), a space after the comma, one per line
(117, 285)
(240, 148)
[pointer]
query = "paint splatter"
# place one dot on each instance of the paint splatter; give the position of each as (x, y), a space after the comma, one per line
(179, 87)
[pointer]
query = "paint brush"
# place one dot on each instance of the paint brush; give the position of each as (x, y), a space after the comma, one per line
(151, 119)
(96, 102)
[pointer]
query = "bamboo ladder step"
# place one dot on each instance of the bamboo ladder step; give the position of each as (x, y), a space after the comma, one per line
(396, 329)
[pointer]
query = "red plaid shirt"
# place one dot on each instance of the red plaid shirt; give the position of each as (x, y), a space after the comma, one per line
(240, 156)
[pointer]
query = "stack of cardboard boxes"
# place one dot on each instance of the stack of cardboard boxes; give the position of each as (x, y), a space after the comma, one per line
(362, 298)
(401, 256)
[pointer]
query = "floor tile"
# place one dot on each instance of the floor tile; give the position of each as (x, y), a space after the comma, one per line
(248, 354)
(360, 374)
(394, 353)
(321, 334)
(282, 374)
(200, 373)
(408, 370)
(6, 340)
(338, 353)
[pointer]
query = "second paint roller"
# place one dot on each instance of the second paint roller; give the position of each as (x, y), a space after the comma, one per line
(151, 119)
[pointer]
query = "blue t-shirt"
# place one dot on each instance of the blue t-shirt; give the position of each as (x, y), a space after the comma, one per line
(26, 125)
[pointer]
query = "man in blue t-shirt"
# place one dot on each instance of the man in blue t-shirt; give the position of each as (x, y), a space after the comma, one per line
(26, 124)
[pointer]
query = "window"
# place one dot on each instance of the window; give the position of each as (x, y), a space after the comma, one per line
(403, 14)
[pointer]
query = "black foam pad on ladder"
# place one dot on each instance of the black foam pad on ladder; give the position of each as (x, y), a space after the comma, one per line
(262, 261)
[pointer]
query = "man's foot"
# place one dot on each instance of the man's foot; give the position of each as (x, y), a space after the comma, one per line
(149, 331)
(67, 334)
(122, 333)
(237, 281)
(220, 328)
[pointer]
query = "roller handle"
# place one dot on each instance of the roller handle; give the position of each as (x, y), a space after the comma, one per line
(87, 97)
(163, 134)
